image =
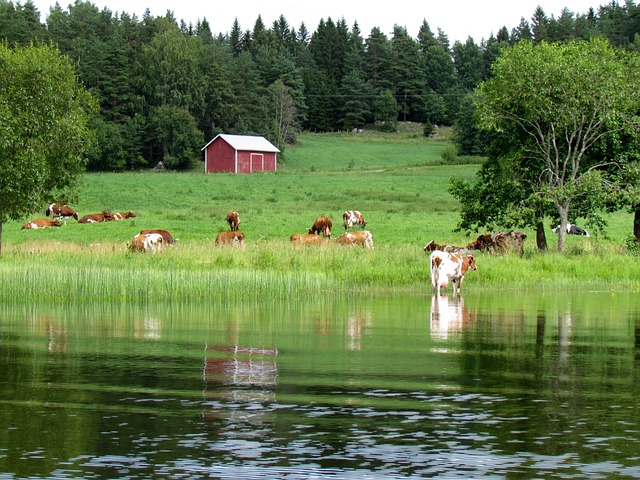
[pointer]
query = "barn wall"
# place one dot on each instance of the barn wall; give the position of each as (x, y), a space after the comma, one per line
(220, 157)
(270, 161)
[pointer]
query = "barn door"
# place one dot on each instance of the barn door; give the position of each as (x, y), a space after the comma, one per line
(257, 162)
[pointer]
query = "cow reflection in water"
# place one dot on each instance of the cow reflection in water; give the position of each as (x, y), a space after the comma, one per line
(243, 376)
(449, 316)
(355, 328)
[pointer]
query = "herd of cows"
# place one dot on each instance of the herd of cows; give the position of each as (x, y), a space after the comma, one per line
(449, 263)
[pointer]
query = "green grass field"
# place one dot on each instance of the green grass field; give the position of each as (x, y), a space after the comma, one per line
(397, 181)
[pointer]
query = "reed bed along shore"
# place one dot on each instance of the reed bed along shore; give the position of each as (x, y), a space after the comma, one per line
(201, 273)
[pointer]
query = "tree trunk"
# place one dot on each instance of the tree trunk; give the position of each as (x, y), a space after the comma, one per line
(562, 231)
(541, 237)
(636, 224)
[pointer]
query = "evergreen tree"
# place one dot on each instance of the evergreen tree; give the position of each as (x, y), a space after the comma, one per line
(407, 75)
(540, 26)
(377, 64)
(235, 38)
(469, 63)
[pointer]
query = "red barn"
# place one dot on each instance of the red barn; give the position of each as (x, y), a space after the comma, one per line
(239, 154)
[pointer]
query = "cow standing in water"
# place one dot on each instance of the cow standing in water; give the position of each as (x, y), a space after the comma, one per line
(351, 218)
(322, 225)
(450, 267)
(233, 219)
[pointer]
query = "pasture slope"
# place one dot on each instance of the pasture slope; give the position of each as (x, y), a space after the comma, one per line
(399, 182)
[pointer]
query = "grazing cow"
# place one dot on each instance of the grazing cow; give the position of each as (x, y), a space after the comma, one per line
(303, 239)
(147, 242)
(573, 230)
(432, 246)
(60, 211)
(353, 217)
(96, 217)
(166, 236)
(233, 219)
(230, 238)
(42, 223)
(322, 225)
(450, 267)
(120, 216)
(363, 238)
(499, 242)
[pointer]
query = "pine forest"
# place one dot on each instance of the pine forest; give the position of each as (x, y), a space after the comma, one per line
(165, 87)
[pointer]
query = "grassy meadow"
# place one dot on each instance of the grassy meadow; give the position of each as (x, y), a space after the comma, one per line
(397, 181)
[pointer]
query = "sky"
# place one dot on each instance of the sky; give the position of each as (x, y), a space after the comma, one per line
(457, 19)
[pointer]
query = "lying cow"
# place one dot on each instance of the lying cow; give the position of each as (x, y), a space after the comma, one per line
(363, 238)
(60, 211)
(147, 242)
(322, 225)
(230, 238)
(573, 230)
(120, 216)
(351, 218)
(42, 223)
(499, 242)
(433, 246)
(450, 267)
(233, 219)
(96, 217)
(166, 236)
(303, 239)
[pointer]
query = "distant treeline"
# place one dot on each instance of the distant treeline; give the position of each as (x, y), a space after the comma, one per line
(166, 87)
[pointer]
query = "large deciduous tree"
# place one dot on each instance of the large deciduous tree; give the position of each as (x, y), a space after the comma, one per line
(44, 117)
(562, 99)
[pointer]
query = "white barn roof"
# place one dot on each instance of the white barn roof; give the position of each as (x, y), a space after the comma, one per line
(246, 142)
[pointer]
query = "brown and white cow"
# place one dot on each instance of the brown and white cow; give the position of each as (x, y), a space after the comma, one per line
(363, 238)
(432, 246)
(60, 211)
(449, 267)
(120, 216)
(303, 239)
(96, 217)
(166, 236)
(147, 242)
(42, 223)
(229, 238)
(233, 219)
(351, 218)
(500, 242)
(322, 225)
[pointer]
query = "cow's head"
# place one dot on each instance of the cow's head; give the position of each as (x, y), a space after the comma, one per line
(471, 262)
(430, 247)
(56, 223)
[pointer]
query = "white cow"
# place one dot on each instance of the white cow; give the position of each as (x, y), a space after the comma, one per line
(449, 267)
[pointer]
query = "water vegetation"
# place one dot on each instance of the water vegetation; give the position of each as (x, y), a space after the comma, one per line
(403, 197)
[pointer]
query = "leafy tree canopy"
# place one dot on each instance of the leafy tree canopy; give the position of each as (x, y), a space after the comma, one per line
(44, 113)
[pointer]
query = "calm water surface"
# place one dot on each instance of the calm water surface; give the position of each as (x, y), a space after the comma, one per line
(493, 385)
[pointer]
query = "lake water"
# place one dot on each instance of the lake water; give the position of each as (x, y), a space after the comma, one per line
(504, 385)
